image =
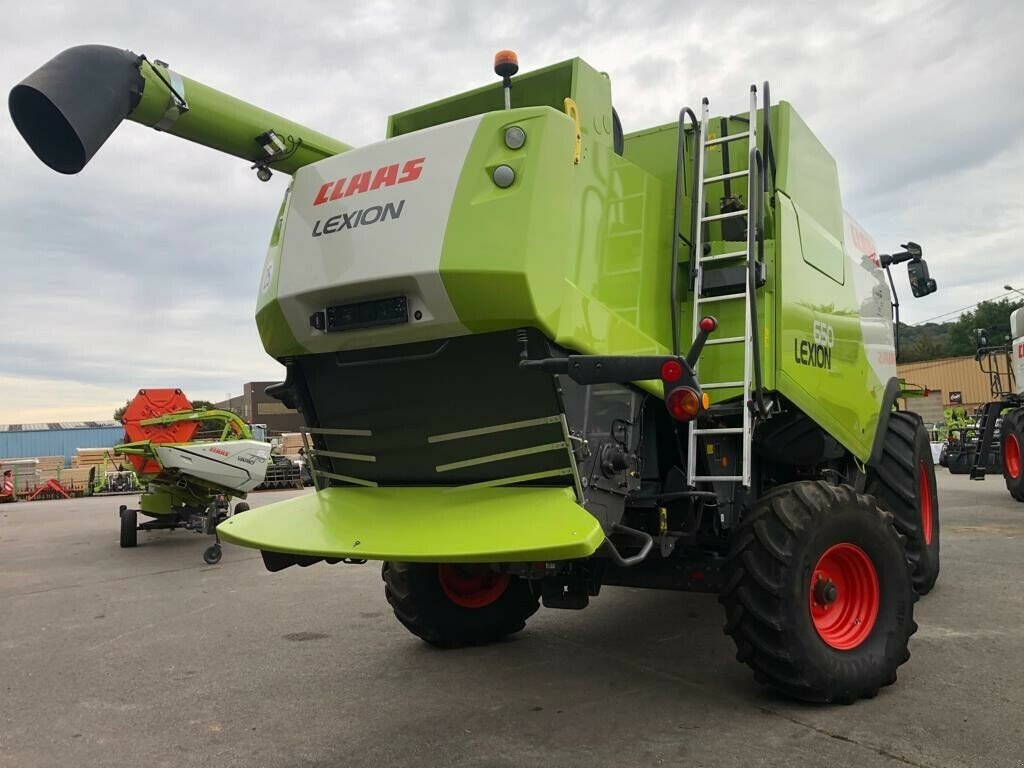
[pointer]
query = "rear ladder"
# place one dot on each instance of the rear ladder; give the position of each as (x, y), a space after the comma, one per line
(704, 304)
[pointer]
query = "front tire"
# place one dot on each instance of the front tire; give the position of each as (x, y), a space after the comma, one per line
(1011, 445)
(819, 598)
(457, 605)
(904, 484)
(129, 527)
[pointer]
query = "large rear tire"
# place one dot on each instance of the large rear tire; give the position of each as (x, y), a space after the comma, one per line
(819, 598)
(456, 605)
(904, 484)
(1011, 445)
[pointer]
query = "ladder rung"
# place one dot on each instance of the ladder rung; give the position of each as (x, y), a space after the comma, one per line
(725, 340)
(719, 431)
(724, 139)
(718, 478)
(724, 176)
(726, 297)
(721, 385)
(723, 256)
(729, 215)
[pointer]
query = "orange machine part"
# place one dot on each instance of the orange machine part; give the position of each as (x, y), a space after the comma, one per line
(149, 404)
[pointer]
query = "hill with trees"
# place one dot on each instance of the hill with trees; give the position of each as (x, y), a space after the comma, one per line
(955, 338)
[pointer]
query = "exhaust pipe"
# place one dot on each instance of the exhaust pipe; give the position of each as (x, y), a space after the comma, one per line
(68, 108)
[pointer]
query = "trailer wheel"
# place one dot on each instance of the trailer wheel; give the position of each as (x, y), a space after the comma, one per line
(129, 527)
(241, 507)
(904, 483)
(457, 605)
(819, 598)
(1011, 444)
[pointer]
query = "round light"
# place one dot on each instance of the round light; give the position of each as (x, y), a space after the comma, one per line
(515, 137)
(671, 370)
(683, 403)
(503, 176)
(708, 324)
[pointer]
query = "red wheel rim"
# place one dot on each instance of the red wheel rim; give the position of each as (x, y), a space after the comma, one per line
(1011, 456)
(471, 586)
(926, 505)
(844, 596)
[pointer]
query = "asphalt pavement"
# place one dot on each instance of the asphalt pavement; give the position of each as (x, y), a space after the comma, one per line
(149, 657)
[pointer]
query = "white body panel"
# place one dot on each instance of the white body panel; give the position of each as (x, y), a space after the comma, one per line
(874, 299)
(239, 465)
(1017, 330)
(358, 243)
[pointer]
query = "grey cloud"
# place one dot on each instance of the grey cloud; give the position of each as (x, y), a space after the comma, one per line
(158, 243)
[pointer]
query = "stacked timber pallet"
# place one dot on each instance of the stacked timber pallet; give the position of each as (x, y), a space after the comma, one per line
(31, 473)
(93, 457)
(24, 473)
(50, 468)
(291, 442)
(74, 480)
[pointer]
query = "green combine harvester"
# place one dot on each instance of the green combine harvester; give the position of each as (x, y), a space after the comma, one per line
(536, 356)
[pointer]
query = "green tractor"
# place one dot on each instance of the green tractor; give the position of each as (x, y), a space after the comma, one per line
(537, 356)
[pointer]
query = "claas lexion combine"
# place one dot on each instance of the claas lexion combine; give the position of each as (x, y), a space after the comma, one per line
(536, 356)
(991, 442)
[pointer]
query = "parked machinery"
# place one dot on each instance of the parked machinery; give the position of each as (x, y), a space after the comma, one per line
(190, 462)
(536, 356)
(999, 424)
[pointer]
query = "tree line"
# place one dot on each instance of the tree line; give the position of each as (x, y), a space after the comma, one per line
(956, 338)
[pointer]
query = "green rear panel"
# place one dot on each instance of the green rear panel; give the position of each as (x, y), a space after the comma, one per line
(579, 251)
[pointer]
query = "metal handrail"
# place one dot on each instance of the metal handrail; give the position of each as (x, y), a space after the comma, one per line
(755, 230)
(676, 236)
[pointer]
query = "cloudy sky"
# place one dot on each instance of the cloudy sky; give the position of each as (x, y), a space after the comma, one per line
(143, 269)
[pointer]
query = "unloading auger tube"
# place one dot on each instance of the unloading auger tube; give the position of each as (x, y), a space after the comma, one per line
(68, 108)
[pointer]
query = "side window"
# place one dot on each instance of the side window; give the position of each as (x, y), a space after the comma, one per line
(820, 247)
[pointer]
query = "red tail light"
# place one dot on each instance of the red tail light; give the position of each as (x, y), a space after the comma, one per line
(683, 404)
(671, 371)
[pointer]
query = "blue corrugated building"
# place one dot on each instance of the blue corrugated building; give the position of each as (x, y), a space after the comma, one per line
(64, 438)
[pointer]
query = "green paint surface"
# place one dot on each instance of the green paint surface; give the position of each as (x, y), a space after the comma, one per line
(427, 524)
(229, 125)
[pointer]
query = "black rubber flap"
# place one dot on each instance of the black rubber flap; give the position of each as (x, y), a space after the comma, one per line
(68, 107)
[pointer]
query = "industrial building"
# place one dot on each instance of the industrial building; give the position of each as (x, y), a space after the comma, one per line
(62, 438)
(257, 407)
(952, 382)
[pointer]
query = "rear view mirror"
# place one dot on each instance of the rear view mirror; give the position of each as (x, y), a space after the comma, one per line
(913, 249)
(921, 283)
